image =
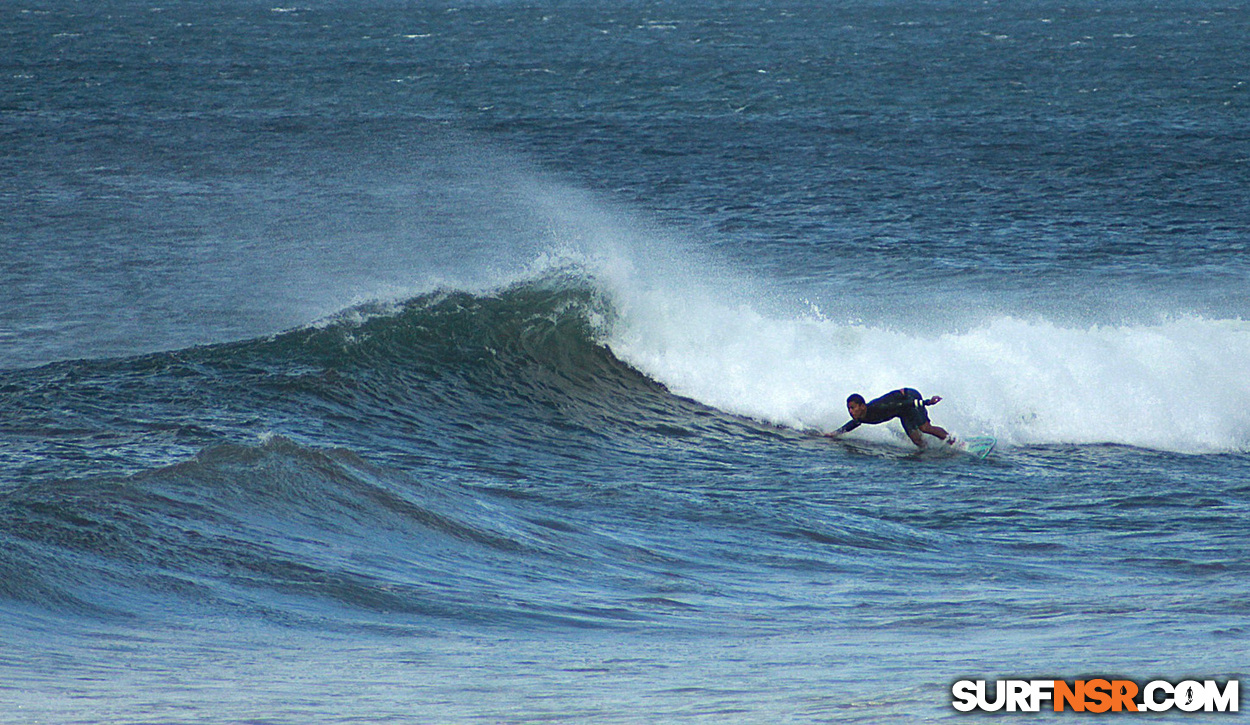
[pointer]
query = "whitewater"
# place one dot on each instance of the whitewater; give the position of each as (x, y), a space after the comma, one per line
(1178, 385)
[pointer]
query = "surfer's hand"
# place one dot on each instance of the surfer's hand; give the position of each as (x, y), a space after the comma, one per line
(934, 400)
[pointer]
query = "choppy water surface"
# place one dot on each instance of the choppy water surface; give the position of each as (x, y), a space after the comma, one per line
(462, 362)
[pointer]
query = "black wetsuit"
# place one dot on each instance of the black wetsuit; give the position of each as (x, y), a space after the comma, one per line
(907, 405)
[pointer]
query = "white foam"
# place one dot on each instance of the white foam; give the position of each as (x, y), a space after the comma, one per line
(1181, 385)
(711, 334)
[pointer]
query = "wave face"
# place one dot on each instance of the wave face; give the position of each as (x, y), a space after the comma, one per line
(485, 417)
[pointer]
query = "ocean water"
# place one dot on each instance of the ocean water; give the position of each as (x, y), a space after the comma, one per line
(384, 361)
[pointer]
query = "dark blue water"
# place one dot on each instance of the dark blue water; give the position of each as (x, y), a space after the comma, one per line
(458, 362)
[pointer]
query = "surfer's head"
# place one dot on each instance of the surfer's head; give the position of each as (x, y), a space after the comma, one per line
(856, 406)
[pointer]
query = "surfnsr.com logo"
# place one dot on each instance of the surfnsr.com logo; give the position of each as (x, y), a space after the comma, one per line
(1096, 695)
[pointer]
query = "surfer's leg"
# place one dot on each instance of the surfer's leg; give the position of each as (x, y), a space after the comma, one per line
(915, 421)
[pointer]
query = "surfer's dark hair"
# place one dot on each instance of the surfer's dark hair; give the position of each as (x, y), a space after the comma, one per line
(855, 398)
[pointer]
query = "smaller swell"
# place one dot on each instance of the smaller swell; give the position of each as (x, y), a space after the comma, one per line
(308, 537)
(276, 530)
(323, 539)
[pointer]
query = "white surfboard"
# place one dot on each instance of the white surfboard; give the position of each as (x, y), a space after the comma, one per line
(979, 446)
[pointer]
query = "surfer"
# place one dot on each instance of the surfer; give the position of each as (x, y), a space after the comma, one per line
(906, 404)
